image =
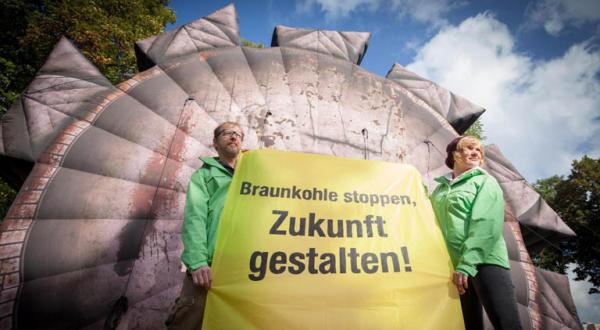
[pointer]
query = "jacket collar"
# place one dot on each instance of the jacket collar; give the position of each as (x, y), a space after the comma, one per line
(447, 179)
(212, 161)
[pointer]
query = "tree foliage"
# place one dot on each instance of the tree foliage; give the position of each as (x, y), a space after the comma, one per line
(104, 31)
(576, 199)
(248, 43)
(550, 257)
(547, 187)
(7, 195)
(476, 130)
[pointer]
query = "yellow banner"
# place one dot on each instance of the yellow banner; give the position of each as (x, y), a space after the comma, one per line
(317, 242)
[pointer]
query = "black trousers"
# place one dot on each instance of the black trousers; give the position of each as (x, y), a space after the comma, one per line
(492, 287)
(188, 310)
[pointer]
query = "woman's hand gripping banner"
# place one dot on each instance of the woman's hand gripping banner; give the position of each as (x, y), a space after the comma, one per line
(318, 242)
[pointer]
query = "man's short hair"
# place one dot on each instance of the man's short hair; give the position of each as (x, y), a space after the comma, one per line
(221, 126)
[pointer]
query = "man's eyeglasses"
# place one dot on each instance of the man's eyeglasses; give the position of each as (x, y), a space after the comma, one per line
(229, 133)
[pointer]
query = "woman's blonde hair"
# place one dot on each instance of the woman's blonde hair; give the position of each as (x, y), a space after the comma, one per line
(458, 144)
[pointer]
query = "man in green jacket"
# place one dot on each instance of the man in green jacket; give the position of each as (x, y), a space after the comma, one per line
(204, 203)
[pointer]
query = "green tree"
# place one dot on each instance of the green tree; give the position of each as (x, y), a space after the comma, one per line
(576, 199)
(7, 195)
(104, 31)
(16, 69)
(476, 130)
(550, 257)
(547, 187)
(248, 43)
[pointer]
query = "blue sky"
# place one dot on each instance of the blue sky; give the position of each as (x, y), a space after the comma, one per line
(534, 65)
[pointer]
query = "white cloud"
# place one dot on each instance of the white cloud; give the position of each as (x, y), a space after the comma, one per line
(541, 114)
(554, 15)
(424, 11)
(335, 9)
(588, 305)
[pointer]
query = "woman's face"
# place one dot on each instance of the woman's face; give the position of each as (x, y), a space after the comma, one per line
(468, 157)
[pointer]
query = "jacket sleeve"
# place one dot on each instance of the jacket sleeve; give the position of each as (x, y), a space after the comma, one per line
(485, 227)
(193, 233)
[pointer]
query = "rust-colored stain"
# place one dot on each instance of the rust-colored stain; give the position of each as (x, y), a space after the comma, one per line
(207, 54)
(532, 283)
(10, 266)
(15, 224)
(10, 250)
(16, 236)
(153, 241)
(11, 280)
(21, 211)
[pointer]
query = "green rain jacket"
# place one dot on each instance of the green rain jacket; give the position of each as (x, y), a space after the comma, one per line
(204, 203)
(470, 211)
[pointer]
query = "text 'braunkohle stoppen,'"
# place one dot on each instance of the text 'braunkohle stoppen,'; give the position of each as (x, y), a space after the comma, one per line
(323, 194)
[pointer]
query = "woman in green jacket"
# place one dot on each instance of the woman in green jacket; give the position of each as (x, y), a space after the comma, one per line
(469, 206)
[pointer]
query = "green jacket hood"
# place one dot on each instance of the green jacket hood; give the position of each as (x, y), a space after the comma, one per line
(212, 161)
(463, 177)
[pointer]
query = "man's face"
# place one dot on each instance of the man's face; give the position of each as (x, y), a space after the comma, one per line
(229, 141)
